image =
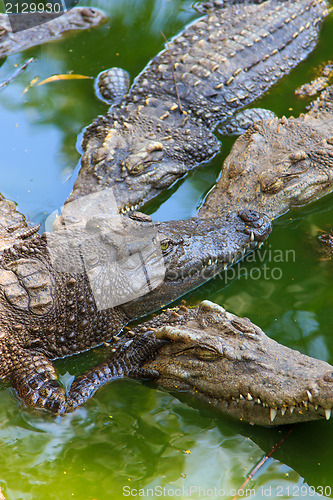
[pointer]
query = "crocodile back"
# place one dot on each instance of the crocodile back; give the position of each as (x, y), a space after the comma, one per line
(228, 58)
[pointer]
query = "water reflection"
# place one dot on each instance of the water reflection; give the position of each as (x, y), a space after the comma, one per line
(137, 437)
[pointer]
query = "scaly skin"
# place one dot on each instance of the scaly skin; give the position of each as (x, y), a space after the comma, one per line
(278, 164)
(78, 18)
(229, 363)
(57, 291)
(316, 85)
(163, 126)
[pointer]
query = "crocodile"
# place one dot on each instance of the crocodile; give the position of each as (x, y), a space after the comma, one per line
(52, 26)
(278, 164)
(64, 292)
(163, 126)
(49, 312)
(222, 360)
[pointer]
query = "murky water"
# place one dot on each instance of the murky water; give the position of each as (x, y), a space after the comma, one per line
(132, 436)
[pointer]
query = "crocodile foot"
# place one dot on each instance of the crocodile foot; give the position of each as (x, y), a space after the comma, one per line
(127, 362)
(35, 381)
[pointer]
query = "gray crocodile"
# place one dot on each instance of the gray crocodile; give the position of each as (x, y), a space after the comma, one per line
(52, 27)
(163, 126)
(65, 292)
(278, 164)
(222, 360)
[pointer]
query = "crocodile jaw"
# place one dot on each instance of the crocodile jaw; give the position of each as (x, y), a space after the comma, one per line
(230, 363)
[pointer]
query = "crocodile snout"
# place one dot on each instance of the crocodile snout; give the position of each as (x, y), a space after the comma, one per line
(258, 224)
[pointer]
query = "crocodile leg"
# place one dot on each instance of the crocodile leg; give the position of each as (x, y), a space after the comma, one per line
(127, 362)
(111, 85)
(239, 123)
(35, 381)
(34, 378)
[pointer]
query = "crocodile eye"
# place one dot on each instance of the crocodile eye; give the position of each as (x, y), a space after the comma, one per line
(165, 245)
(137, 169)
(206, 354)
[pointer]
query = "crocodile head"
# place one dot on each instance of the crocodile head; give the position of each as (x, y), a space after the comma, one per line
(195, 250)
(137, 157)
(276, 165)
(229, 363)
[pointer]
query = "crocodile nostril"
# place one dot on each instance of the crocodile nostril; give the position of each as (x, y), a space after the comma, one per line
(87, 14)
(328, 377)
(249, 215)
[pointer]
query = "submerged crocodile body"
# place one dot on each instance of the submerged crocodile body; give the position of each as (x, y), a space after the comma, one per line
(164, 125)
(278, 164)
(225, 361)
(57, 294)
(53, 27)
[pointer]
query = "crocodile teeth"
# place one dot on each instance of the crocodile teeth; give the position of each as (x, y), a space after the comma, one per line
(283, 411)
(249, 397)
(224, 266)
(273, 413)
(258, 401)
(316, 407)
(309, 396)
(305, 403)
(209, 262)
(252, 236)
(260, 244)
(291, 409)
(241, 396)
(328, 413)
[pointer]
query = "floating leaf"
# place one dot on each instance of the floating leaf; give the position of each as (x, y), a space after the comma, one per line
(33, 81)
(67, 76)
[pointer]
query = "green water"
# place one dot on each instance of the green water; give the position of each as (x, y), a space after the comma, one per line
(132, 435)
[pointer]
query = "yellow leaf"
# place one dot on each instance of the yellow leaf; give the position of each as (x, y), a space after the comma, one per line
(71, 76)
(33, 81)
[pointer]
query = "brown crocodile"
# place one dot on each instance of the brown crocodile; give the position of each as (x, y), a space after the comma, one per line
(278, 164)
(53, 27)
(164, 125)
(223, 360)
(65, 292)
